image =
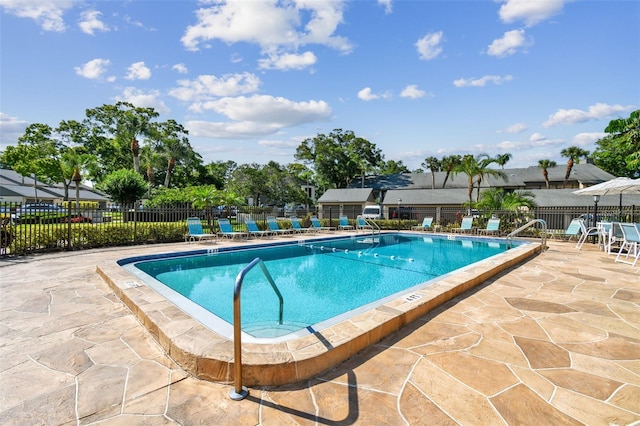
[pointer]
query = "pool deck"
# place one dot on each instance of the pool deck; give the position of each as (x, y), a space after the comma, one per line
(555, 340)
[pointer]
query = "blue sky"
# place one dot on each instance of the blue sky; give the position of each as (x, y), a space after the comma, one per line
(251, 79)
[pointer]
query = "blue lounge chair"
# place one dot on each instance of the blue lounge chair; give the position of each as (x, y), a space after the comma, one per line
(344, 223)
(297, 226)
(426, 225)
(226, 230)
(315, 223)
(630, 244)
(493, 227)
(195, 231)
(573, 230)
(275, 228)
(254, 231)
(466, 227)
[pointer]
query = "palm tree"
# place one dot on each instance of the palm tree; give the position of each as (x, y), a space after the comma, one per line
(73, 163)
(484, 161)
(502, 159)
(173, 143)
(433, 164)
(494, 199)
(448, 163)
(476, 167)
(574, 153)
(544, 165)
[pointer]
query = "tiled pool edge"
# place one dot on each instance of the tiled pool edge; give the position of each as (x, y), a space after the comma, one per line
(209, 356)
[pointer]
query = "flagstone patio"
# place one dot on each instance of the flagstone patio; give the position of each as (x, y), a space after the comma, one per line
(554, 341)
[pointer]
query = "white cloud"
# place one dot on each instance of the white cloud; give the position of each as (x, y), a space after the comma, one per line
(209, 86)
(288, 61)
(388, 7)
(588, 139)
(275, 26)
(257, 115)
(367, 95)
(181, 68)
(138, 71)
(10, 130)
(93, 69)
(509, 44)
(531, 12)
(595, 112)
(47, 13)
(429, 46)
(90, 22)
(412, 91)
(537, 137)
(481, 82)
(514, 128)
(140, 98)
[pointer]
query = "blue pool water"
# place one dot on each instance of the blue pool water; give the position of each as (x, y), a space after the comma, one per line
(319, 280)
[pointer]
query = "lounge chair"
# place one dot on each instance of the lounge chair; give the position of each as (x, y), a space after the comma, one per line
(586, 233)
(226, 230)
(275, 228)
(254, 231)
(297, 227)
(466, 227)
(363, 225)
(573, 230)
(493, 227)
(426, 225)
(315, 224)
(344, 223)
(195, 231)
(630, 244)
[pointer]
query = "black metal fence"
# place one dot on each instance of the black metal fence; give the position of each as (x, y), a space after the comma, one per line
(28, 229)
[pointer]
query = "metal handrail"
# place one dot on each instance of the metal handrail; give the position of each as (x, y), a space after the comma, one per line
(374, 226)
(240, 392)
(528, 225)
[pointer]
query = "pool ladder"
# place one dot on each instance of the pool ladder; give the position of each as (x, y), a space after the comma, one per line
(528, 225)
(240, 392)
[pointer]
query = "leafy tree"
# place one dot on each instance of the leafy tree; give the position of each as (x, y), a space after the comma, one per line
(171, 141)
(433, 164)
(449, 163)
(392, 167)
(114, 130)
(573, 153)
(124, 186)
(220, 171)
(619, 152)
(337, 158)
(545, 165)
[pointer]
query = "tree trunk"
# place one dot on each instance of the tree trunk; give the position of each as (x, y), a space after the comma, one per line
(545, 173)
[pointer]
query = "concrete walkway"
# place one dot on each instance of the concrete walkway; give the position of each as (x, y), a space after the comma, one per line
(554, 341)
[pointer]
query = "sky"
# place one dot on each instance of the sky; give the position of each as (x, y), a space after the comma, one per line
(251, 80)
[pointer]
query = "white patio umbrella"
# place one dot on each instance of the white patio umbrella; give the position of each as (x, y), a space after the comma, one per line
(620, 185)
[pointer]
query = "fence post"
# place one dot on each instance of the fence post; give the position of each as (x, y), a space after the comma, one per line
(68, 225)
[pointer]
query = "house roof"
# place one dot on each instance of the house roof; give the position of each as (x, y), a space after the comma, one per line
(347, 195)
(587, 174)
(14, 184)
(542, 197)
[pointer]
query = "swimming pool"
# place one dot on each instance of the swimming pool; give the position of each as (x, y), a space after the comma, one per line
(209, 355)
(321, 282)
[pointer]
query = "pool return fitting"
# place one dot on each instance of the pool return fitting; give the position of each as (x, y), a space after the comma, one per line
(240, 392)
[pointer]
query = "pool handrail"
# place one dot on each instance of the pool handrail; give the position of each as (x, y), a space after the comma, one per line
(239, 392)
(368, 224)
(528, 225)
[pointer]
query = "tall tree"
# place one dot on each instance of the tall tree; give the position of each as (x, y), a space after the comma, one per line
(502, 159)
(170, 140)
(474, 168)
(433, 164)
(337, 157)
(619, 152)
(545, 165)
(122, 123)
(484, 161)
(449, 163)
(573, 153)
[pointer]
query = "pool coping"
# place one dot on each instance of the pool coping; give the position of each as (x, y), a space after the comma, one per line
(209, 356)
